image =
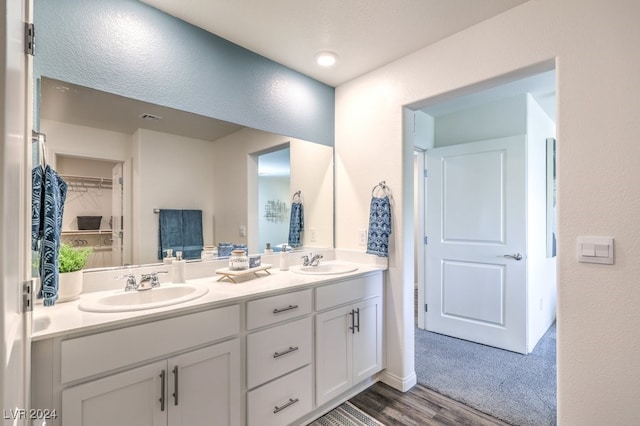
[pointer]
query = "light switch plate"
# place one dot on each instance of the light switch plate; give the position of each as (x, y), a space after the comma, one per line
(595, 250)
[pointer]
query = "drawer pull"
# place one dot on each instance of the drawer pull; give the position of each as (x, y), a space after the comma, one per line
(288, 308)
(287, 404)
(288, 351)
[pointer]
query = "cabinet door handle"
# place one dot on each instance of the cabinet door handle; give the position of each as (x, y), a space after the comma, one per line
(175, 385)
(163, 376)
(353, 324)
(288, 308)
(287, 404)
(287, 351)
(357, 326)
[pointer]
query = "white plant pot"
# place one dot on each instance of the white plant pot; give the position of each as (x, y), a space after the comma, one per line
(69, 286)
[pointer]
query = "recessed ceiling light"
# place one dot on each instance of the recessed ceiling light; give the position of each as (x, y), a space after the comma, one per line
(326, 59)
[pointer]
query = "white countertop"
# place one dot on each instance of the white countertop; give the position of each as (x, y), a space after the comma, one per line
(66, 318)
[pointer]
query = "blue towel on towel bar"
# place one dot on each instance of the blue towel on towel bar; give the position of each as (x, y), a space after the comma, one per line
(296, 224)
(180, 230)
(379, 226)
(47, 224)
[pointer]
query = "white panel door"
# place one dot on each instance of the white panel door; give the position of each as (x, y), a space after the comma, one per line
(204, 386)
(117, 216)
(367, 339)
(333, 353)
(15, 205)
(476, 228)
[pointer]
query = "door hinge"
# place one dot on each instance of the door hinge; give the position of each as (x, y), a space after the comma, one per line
(120, 181)
(426, 173)
(426, 307)
(29, 38)
(27, 296)
(426, 240)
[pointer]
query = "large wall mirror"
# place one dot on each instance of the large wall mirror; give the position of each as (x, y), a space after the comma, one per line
(124, 159)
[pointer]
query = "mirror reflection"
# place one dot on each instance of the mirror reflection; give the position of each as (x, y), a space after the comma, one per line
(125, 160)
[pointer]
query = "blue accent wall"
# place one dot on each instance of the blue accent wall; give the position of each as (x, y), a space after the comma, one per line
(131, 49)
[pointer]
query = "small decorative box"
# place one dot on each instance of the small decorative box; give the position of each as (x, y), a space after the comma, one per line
(254, 261)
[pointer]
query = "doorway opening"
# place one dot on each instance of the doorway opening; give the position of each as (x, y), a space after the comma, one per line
(470, 291)
(274, 187)
(93, 209)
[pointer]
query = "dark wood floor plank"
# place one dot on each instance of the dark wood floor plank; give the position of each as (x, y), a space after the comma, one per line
(419, 406)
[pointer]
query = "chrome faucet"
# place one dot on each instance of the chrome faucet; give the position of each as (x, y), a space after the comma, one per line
(311, 259)
(147, 281)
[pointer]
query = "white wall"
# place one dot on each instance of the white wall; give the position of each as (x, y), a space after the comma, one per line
(541, 270)
(593, 45)
(496, 119)
(169, 172)
(85, 142)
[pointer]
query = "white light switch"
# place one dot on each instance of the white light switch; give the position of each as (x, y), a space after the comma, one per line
(595, 250)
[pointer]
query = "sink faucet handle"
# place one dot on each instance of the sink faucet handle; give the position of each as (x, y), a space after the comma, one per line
(131, 281)
(155, 282)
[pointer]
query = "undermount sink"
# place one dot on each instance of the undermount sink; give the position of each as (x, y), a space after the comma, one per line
(124, 301)
(325, 269)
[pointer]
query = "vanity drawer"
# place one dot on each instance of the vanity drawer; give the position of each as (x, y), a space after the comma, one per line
(98, 353)
(348, 291)
(278, 350)
(282, 401)
(271, 310)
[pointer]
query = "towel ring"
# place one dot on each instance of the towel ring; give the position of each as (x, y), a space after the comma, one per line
(382, 186)
(297, 195)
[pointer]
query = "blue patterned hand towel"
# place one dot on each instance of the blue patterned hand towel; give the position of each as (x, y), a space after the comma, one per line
(296, 224)
(379, 226)
(52, 194)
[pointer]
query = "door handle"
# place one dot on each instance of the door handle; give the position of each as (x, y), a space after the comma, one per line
(516, 256)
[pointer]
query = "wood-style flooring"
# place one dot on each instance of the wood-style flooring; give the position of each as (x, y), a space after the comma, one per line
(419, 406)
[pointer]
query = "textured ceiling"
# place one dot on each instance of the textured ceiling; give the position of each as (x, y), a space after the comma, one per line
(365, 34)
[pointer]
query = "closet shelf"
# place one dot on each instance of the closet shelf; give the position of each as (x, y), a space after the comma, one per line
(88, 232)
(82, 182)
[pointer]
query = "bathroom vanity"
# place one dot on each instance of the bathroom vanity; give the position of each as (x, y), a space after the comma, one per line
(274, 350)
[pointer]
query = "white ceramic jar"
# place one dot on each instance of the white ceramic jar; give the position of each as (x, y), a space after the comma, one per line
(238, 260)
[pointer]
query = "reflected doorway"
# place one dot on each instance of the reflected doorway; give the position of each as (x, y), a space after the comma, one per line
(93, 209)
(274, 189)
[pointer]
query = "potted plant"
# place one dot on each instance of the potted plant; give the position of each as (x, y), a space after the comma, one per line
(70, 263)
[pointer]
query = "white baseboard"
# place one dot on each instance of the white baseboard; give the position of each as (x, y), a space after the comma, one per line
(402, 384)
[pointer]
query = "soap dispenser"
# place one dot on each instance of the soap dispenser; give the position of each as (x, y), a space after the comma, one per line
(284, 259)
(179, 269)
(168, 258)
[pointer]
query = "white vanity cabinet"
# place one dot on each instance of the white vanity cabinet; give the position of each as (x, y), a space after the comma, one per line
(279, 357)
(348, 335)
(177, 371)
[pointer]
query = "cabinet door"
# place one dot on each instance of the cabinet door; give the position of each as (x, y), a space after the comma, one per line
(367, 341)
(204, 386)
(333, 353)
(130, 398)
